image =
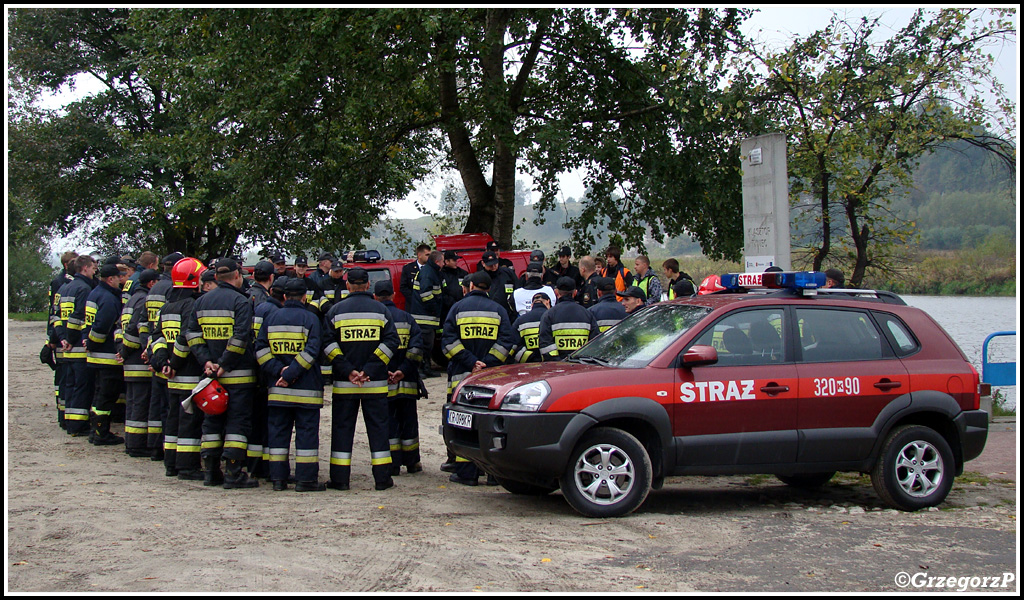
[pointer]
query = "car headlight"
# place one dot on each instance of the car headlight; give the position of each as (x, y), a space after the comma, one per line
(526, 398)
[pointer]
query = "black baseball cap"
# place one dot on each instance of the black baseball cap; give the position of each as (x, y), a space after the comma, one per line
(337, 265)
(489, 259)
(263, 267)
(383, 286)
(226, 265)
(537, 255)
(325, 256)
(208, 275)
(172, 258)
(301, 260)
(566, 284)
(277, 258)
(294, 285)
(479, 279)
(565, 251)
(534, 269)
(450, 255)
(280, 283)
(493, 245)
(148, 275)
(539, 298)
(633, 292)
(109, 270)
(604, 284)
(358, 275)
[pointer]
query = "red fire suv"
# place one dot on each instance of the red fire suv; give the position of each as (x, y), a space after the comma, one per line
(771, 375)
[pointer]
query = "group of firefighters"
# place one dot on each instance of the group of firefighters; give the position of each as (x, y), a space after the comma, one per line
(129, 342)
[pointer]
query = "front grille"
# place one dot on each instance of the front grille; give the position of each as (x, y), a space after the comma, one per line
(472, 395)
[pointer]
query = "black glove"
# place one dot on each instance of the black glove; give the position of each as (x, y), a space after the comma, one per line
(46, 357)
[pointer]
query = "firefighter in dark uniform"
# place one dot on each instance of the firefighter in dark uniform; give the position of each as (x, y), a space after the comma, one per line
(323, 269)
(587, 294)
(527, 330)
(403, 385)
(155, 300)
(263, 274)
(258, 456)
(608, 311)
(564, 268)
(69, 331)
(361, 341)
(567, 326)
(451, 289)
(60, 366)
(219, 335)
(103, 319)
(137, 376)
(334, 288)
(409, 272)
(287, 347)
(503, 283)
(477, 335)
(426, 304)
(172, 359)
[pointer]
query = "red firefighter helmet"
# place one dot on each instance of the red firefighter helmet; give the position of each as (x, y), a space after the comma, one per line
(211, 397)
(710, 285)
(186, 273)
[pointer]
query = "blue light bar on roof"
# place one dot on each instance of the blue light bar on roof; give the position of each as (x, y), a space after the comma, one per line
(368, 256)
(799, 280)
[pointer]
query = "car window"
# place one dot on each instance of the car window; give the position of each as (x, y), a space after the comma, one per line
(749, 337)
(837, 335)
(904, 342)
(642, 336)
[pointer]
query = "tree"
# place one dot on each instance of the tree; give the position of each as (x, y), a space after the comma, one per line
(859, 113)
(379, 97)
(105, 159)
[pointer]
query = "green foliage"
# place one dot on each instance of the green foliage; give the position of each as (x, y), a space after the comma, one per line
(28, 274)
(860, 112)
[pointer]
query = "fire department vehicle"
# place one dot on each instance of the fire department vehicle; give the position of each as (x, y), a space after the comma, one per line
(771, 375)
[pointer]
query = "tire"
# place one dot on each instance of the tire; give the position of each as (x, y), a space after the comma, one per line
(608, 475)
(915, 469)
(807, 481)
(524, 489)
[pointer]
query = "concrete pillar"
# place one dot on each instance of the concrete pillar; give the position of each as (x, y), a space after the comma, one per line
(765, 203)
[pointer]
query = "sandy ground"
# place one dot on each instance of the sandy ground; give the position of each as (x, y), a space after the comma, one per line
(87, 519)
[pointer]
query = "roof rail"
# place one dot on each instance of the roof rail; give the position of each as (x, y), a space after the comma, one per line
(884, 296)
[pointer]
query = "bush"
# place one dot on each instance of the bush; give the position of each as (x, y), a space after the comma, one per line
(28, 279)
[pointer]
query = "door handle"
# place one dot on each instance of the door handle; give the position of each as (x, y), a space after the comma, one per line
(885, 385)
(773, 388)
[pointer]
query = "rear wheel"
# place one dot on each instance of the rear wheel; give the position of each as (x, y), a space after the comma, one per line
(807, 481)
(915, 468)
(609, 474)
(525, 489)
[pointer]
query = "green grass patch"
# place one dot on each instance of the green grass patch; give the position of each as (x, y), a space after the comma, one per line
(33, 316)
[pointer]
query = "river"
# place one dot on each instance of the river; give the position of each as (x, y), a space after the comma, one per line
(969, 320)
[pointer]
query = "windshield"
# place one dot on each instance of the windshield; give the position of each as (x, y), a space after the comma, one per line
(639, 338)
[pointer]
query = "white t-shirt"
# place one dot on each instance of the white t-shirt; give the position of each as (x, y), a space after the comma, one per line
(523, 298)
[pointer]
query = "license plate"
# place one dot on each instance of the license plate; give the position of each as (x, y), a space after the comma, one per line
(460, 419)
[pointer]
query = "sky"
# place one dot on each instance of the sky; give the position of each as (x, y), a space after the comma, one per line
(773, 25)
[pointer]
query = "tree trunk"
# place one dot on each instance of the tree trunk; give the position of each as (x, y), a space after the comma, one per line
(826, 221)
(860, 237)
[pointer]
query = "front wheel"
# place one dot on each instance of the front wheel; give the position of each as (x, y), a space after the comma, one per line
(915, 468)
(609, 474)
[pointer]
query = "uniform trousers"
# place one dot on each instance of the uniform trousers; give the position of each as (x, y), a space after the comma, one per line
(344, 411)
(403, 431)
(306, 421)
(158, 415)
(256, 452)
(186, 430)
(136, 418)
(81, 386)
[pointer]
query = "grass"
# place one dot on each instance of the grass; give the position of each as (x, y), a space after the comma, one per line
(34, 316)
(998, 410)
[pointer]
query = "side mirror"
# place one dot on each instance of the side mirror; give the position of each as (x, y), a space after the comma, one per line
(698, 356)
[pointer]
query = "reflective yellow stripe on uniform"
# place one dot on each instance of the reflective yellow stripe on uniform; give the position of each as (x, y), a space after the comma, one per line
(347, 388)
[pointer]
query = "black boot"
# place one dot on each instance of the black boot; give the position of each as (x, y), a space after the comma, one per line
(235, 477)
(103, 437)
(190, 475)
(212, 475)
(310, 486)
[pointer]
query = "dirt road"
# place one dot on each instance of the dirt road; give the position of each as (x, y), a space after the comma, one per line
(87, 519)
